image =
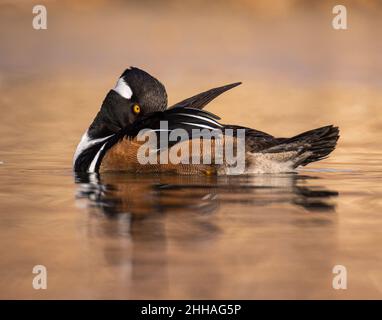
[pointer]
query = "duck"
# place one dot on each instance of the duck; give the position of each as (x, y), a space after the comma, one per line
(136, 111)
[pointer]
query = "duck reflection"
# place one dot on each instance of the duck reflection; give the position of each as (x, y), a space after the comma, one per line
(141, 196)
(151, 221)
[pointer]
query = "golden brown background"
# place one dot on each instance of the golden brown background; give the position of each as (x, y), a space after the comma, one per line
(298, 73)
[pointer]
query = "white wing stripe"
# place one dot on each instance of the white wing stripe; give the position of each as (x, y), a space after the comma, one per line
(86, 143)
(202, 118)
(95, 160)
(199, 125)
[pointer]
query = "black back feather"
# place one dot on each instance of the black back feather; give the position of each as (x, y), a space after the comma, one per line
(200, 100)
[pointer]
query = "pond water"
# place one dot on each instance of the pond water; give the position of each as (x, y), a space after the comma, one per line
(153, 236)
(157, 236)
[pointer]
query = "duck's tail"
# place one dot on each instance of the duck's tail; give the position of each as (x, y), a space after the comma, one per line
(310, 146)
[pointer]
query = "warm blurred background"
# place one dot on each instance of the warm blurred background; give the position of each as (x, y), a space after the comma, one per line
(294, 66)
(297, 72)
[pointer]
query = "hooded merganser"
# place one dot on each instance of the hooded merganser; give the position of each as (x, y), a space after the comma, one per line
(139, 101)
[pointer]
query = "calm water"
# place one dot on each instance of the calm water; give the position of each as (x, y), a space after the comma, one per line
(121, 236)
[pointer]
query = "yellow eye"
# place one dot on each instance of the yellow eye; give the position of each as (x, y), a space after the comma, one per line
(136, 109)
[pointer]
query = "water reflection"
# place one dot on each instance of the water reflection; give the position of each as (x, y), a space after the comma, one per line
(142, 196)
(156, 223)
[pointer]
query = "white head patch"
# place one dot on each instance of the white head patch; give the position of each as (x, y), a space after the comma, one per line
(123, 89)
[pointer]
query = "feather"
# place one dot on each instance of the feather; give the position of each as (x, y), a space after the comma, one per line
(200, 100)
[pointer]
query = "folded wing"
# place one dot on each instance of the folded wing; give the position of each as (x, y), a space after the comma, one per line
(200, 100)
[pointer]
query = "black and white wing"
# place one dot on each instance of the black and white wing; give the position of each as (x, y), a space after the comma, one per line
(166, 122)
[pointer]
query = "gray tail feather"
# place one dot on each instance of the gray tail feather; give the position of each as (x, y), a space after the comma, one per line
(318, 142)
(312, 145)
